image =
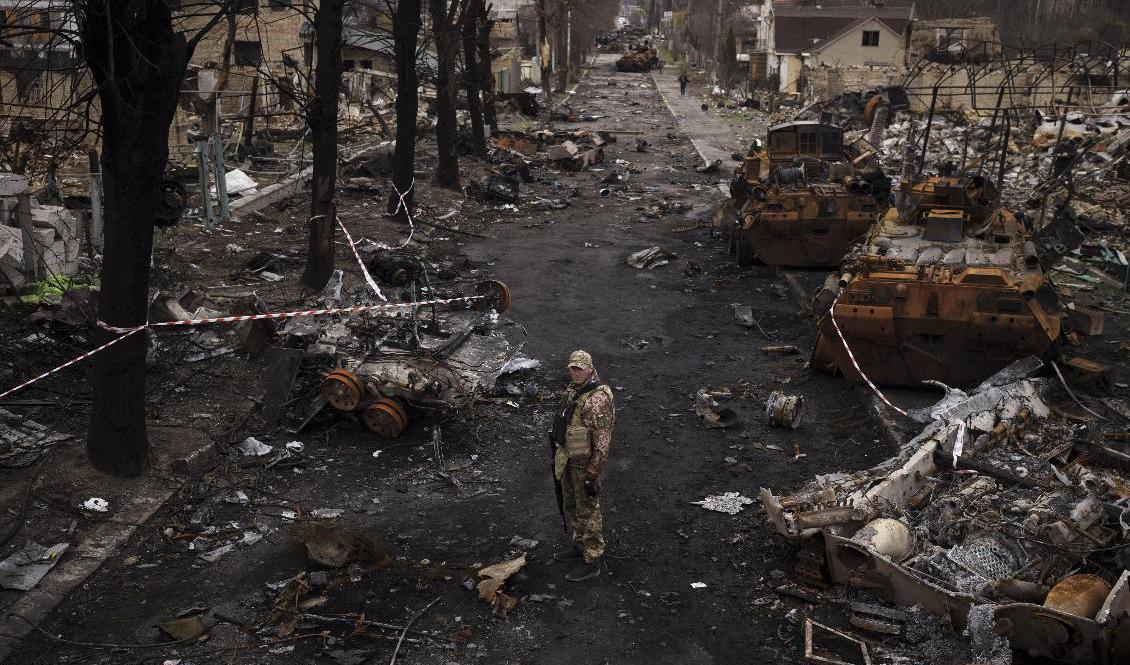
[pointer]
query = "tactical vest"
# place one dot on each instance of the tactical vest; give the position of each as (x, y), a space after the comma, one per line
(578, 439)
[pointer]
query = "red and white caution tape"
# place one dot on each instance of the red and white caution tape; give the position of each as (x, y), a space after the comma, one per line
(364, 271)
(304, 312)
(126, 332)
(851, 356)
(25, 384)
(402, 204)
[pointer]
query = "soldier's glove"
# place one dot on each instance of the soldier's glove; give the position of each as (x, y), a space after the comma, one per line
(592, 487)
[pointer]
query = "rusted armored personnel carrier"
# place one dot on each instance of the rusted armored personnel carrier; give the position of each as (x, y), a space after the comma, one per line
(804, 200)
(639, 59)
(948, 286)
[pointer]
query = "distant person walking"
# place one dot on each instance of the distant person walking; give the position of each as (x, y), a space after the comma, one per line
(683, 81)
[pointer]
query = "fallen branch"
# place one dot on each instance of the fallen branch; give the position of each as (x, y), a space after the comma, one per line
(372, 624)
(1081, 405)
(408, 626)
(441, 227)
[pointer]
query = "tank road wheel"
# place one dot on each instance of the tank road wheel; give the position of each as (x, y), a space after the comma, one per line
(744, 254)
(496, 296)
(385, 417)
(343, 390)
(824, 356)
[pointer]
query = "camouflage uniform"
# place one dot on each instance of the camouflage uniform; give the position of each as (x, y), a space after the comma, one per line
(587, 442)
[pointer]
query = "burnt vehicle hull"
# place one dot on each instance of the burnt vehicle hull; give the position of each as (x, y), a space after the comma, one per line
(803, 202)
(813, 228)
(953, 295)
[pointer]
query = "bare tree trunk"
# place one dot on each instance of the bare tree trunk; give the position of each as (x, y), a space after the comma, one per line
(486, 62)
(471, 80)
(447, 170)
(543, 54)
(249, 122)
(562, 66)
(322, 120)
(138, 64)
(405, 32)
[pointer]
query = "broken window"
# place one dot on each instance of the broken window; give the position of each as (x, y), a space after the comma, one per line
(248, 54)
(831, 142)
(280, 4)
(951, 39)
(870, 37)
(246, 6)
(28, 83)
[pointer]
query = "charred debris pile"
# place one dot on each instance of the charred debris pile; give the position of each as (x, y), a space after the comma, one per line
(1001, 516)
(1003, 525)
(1074, 163)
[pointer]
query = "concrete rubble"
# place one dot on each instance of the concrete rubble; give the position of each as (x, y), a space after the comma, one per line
(36, 241)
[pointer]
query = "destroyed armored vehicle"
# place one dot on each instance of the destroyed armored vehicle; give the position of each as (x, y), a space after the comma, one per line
(449, 368)
(803, 201)
(639, 59)
(379, 369)
(947, 287)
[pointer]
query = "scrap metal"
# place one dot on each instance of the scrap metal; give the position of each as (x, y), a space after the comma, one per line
(947, 287)
(804, 200)
(993, 506)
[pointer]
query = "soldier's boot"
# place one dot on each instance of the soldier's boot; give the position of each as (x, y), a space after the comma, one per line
(587, 571)
(572, 553)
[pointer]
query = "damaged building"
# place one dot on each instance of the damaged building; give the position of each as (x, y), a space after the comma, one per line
(828, 49)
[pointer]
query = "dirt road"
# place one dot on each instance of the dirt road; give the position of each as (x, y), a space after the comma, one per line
(656, 335)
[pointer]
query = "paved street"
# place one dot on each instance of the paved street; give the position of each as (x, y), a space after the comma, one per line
(710, 134)
(680, 584)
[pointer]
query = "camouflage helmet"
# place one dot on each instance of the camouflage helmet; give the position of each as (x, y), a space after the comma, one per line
(580, 359)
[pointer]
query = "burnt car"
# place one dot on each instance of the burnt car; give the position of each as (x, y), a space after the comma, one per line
(803, 200)
(948, 287)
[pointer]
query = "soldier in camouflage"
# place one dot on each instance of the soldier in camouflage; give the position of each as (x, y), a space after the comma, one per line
(582, 436)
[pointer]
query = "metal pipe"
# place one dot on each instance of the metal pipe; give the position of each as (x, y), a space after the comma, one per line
(1004, 151)
(993, 124)
(1051, 165)
(221, 177)
(205, 196)
(929, 122)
